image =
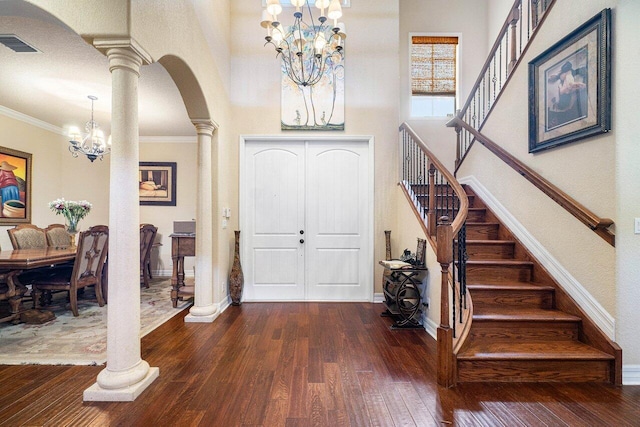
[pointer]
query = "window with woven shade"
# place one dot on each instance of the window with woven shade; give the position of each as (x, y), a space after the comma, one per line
(433, 75)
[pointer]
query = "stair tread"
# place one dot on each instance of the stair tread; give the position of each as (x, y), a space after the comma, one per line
(543, 350)
(510, 286)
(490, 242)
(505, 262)
(518, 313)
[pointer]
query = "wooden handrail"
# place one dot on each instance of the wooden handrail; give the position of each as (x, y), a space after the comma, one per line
(457, 188)
(599, 225)
(484, 93)
(494, 49)
(492, 54)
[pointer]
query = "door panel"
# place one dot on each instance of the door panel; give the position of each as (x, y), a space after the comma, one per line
(275, 190)
(337, 222)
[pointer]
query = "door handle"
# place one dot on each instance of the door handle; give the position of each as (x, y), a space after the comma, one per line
(301, 240)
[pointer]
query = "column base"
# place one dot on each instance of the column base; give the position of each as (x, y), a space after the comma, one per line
(202, 314)
(209, 318)
(95, 393)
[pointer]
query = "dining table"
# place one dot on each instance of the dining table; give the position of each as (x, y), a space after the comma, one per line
(14, 262)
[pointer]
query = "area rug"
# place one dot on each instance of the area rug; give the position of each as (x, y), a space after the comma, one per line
(81, 340)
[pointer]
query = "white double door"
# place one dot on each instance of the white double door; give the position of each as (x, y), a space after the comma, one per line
(306, 222)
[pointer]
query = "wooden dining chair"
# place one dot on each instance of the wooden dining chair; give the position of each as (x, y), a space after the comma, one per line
(27, 236)
(57, 236)
(87, 269)
(147, 235)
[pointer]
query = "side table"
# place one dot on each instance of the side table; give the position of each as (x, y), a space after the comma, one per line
(402, 297)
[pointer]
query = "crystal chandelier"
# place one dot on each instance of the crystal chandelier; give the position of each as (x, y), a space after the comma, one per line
(306, 48)
(92, 143)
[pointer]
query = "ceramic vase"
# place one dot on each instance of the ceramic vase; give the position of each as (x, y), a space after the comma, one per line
(386, 272)
(236, 278)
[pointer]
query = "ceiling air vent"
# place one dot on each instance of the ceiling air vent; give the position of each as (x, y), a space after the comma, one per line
(16, 44)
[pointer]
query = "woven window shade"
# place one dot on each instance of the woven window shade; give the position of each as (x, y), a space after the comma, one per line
(433, 65)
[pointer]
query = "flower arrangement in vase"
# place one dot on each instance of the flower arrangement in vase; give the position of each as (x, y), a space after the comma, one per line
(73, 212)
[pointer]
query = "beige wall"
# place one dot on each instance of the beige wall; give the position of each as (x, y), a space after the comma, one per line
(168, 30)
(405, 236)
(184, 154)
(371, 98)
(582, 170)
(468, 19)
(599, 172)
(47, 174)
(626, 128)
(57, 174)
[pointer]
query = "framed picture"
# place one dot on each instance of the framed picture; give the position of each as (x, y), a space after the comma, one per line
(15, 186)
(317, 107)
(570, 87)
(157, 183)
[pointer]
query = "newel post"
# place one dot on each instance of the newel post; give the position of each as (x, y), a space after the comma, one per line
(446, 367)
(513, 21)
(458, 128)
(431, 213)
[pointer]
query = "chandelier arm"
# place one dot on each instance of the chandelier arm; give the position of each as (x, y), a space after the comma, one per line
(307, 47)
(288, 65)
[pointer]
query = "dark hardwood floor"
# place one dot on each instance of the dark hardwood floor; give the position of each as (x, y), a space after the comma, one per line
(295, 364)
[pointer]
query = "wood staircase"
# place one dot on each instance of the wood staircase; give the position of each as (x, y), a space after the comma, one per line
(524, 328)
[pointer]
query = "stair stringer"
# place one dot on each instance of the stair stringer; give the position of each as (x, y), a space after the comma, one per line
(598, 326)
(591, 307)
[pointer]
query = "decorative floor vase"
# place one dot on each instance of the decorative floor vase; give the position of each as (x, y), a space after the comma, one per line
(236, 278)
(386, 272)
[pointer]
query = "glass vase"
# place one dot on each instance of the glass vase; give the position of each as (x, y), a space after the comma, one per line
(71, 225)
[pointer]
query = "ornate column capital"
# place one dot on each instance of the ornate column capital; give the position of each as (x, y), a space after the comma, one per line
(123, 53)
(205, 126)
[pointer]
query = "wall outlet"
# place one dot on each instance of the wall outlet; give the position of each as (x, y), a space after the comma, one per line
(637, 230)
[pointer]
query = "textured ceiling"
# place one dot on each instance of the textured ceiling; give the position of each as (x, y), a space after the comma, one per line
(53, 85)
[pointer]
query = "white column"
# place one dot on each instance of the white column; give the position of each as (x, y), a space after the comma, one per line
(204, 309)
(126, 374)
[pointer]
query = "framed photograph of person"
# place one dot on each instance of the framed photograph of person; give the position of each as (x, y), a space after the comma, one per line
(15, 186)
(157, 183)
(570, 87)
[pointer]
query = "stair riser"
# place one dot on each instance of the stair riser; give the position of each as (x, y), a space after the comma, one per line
(482, 231)
(498, 273)
(491, 298)
(490, 250)
(479, 215)
(534, 371)
(524, 331)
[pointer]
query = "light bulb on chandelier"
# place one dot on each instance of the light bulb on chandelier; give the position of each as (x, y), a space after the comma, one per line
(92, 143)
(306, 48)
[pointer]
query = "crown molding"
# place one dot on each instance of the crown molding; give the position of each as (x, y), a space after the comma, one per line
(8, 112)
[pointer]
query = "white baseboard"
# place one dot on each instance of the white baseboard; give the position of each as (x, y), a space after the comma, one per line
(378, 297)
(591, 307)
(431, 327)
(631, 374)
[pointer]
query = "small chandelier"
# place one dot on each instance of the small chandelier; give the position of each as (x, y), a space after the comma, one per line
(92, 144)
(306, 48)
